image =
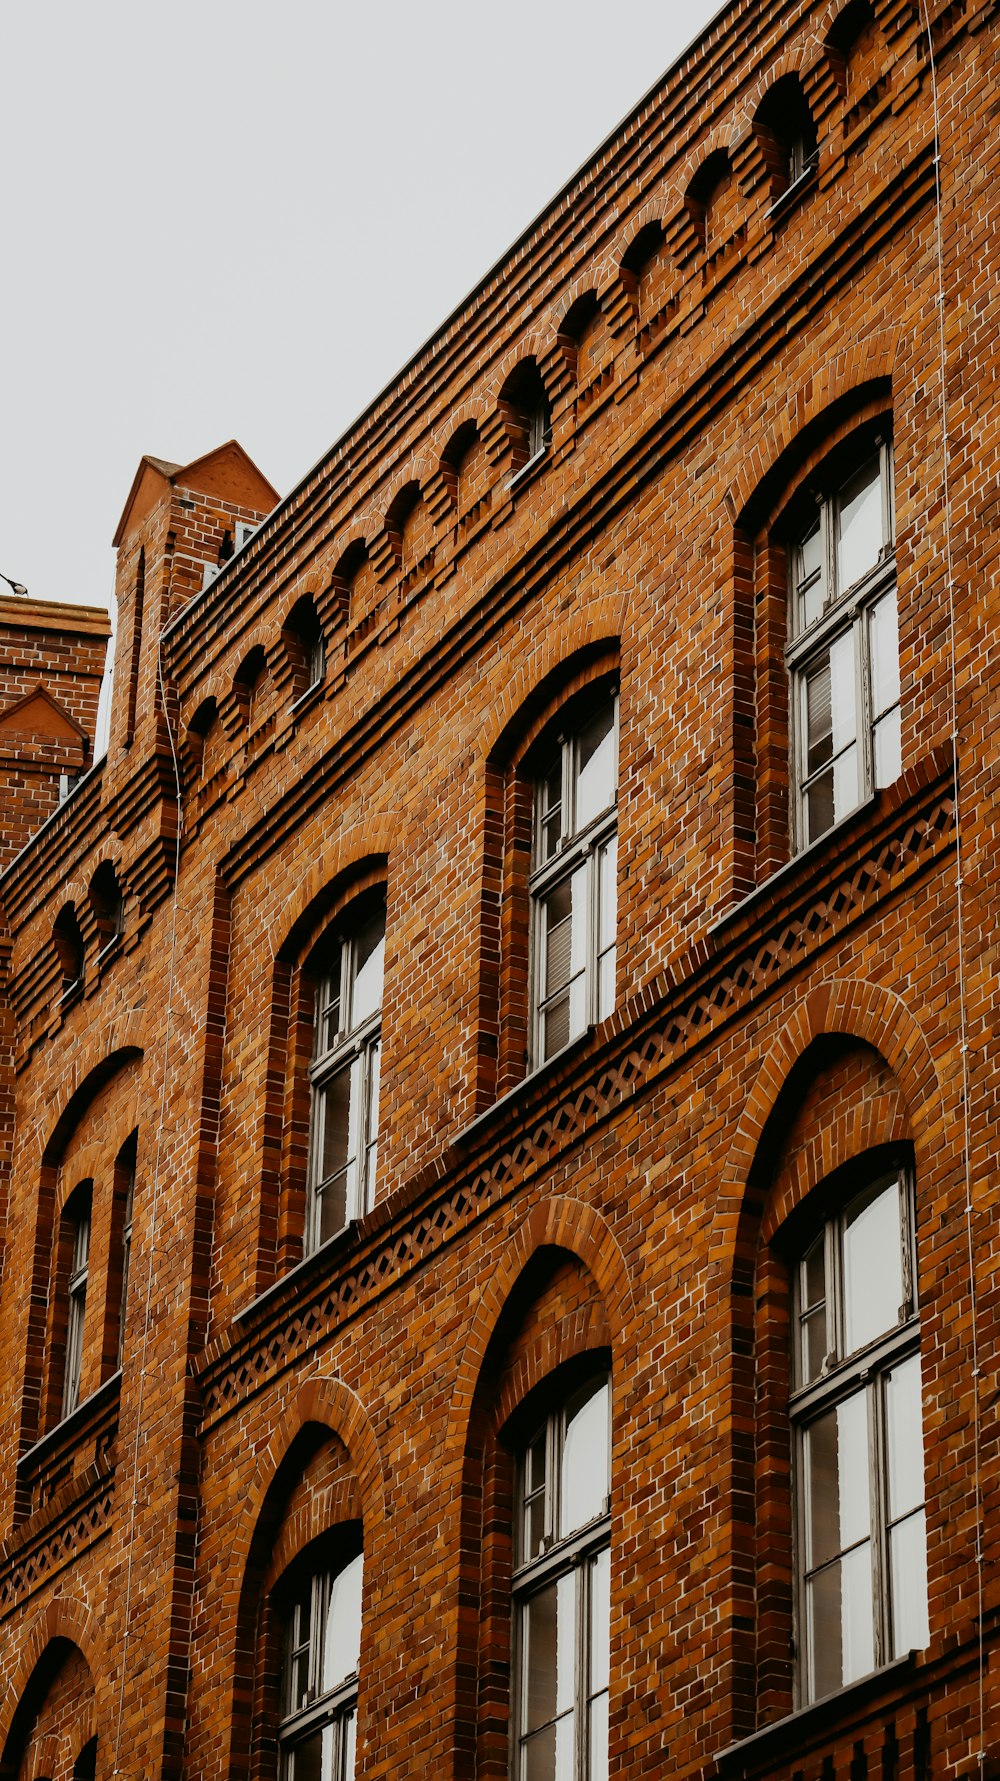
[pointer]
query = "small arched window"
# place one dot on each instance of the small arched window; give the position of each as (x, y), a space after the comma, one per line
(108, 905)
(527, 413)
(68, 942)
(305, 645)
(786, 134)
(73, 1263)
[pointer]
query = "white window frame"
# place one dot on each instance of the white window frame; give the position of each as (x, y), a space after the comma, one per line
(76, 1309)
(845, 611)
(585, 847)
(842, 1377)
(126, 1251)
(335, 1710)
(558, 1558)
(360, 1044)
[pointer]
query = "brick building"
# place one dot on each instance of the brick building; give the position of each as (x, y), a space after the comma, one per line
(499, 1272)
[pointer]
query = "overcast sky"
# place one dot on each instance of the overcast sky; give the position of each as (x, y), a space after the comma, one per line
(229, 218)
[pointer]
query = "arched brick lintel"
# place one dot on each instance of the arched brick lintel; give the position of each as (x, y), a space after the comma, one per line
(866, 362)
(62, 1618)
(597, 625)
(366, 843)
(100, 1057)
(852, 1008)
(557, 1223)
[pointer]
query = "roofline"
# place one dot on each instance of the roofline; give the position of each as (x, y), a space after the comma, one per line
(340, 443)
(172, 473)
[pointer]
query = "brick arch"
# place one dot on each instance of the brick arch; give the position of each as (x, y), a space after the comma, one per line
(535, 346)
(374, 838)
(99, 1155)
(721, 138)
(215, 686)
(655, 210)
(828, 18)
(597, 625)
(556, 1223)
(333, 1406)
(98, 1058)
(474, 409)
(849, 1008)
(860, 367)
(64, 1618)
(579, 287)
(417, 470)
(259, 636)
(794, 61)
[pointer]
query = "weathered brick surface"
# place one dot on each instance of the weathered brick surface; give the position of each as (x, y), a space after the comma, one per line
(701, 354)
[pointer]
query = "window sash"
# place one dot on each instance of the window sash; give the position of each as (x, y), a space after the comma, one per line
(76, 1312)
(572, 1676)
(348, 1186)
(584, 992)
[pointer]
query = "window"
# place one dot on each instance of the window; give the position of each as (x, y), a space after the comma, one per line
(843, 659)
(344, 1077)
(574, 886)
(561, 1590)
(319, 1693)
(126, 1164)
(78, 1221)
(858, 1449)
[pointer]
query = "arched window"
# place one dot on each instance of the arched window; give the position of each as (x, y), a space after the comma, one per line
(573, 886)
(344, 1073)
(857, 1440)
(843, 650)
(319, 1685)
(68, 942)
(108, 905)
(787, 135)
(304, 643)
(124, 1203)
(527, 414)
(561, 1591)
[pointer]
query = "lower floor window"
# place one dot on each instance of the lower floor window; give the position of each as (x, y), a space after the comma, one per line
(562, 1593)
(318, 1732)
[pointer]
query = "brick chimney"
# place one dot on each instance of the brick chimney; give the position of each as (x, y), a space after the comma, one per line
(181, 523)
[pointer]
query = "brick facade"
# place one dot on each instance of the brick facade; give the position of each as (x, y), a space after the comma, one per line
(584, 490)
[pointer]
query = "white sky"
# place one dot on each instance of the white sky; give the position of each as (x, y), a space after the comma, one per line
(228, 218)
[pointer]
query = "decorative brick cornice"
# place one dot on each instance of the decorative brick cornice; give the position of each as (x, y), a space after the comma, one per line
(80, 1515)
(765, 942)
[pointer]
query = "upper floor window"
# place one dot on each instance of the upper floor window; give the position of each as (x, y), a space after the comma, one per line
(561, 1589)
(344, 1076)
(858, 1448)
(77, 1218)
(125, 1169)
(843, 654)
(574, 882)
(319, 1695)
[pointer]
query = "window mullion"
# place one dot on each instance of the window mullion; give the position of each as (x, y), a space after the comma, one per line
(878, 1479)
(581, 1689)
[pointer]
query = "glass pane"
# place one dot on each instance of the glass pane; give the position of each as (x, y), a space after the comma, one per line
(819, 806)
(312, 1759)
(872, 1265)
(812, 1299)
(538, 1756)
(842, 691)
(904, 1437)
(328, 993)
(533, 1527)
(608, 896)
(297, 1659)
(584, 1476)
(809, 577)
(600, 1621)
(883, 637)
(814, 1274)
(606, 970)
(369, 965)
(349, 1743)
(596, 767)
(342, 1636)
(81, 1244)
(597, 1768)
(556, 1028)
(908, 1566)
(338, 1101)
(557, 960)
(841, 1631)
(888, 751)
(839, 1508)
(846, 791)
(859, 524)
(814, 1344)
(374, 1071)
(550, 810)
(549, 1652)
(819, 718)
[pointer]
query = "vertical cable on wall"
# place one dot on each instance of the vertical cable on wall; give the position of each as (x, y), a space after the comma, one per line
(980, 1754)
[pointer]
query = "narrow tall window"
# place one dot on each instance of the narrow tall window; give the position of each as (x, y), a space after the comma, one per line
(126, 1163)
(76, 1303)
(574, 883)
(859, 1466)
(345, 1078)
(561, 1591)
(318, 1731)
(843, 659)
